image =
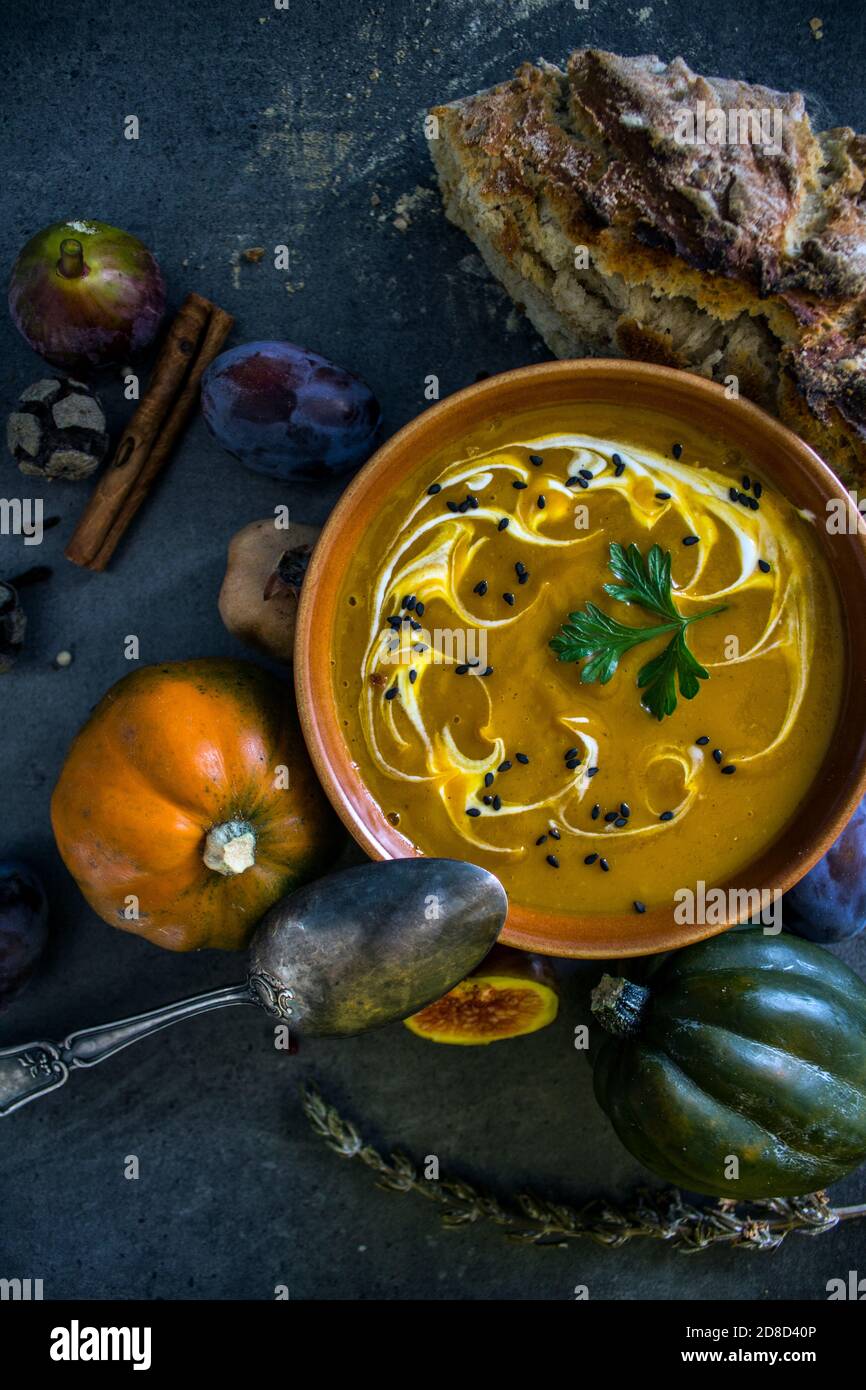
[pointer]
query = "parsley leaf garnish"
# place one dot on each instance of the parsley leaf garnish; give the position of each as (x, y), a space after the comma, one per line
(600, 640)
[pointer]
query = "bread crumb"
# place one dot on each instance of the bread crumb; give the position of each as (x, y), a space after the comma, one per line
(401, 224)
(253, 254)
(817, 27)
(63, 659)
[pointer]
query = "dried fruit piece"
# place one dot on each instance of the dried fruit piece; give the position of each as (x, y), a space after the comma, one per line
(510, 993)
(258, 601)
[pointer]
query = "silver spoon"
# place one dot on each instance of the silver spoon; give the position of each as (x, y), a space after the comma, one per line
(350, 952)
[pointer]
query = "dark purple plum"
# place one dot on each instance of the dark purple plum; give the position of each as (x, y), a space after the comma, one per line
(829, 904)
(23, 926)
(289, 412)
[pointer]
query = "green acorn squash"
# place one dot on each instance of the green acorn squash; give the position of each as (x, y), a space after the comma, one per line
(748, 1047)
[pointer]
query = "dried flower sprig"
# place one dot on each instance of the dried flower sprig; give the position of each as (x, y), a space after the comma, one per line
(532, 1220)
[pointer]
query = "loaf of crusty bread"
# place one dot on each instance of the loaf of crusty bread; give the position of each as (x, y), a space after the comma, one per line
(592, 197)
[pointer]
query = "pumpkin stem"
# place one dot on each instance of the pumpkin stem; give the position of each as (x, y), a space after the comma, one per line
(619, 1005)
(230, 848)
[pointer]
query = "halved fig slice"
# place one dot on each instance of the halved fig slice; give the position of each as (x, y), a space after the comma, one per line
(510, 993)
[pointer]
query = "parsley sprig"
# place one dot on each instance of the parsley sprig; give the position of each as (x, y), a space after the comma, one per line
(600, 640)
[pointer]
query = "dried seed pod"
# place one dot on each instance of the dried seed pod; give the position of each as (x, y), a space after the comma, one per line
(58, 430)
(13, 624)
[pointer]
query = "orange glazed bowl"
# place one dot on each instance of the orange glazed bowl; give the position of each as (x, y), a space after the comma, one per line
(677, 399)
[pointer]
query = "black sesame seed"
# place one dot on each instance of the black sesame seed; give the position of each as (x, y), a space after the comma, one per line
(488, 800)
(572, 763)
(763, 567)
(453, 507)
(586, 473)
(677, 451)
(536, 459)
(413, 676)
(472, 811)
(639, 906)
(519, 568)
(570, 753)
(519, 486)
(389, 694)
(590, 858)
(666, 815)
(591, 771)
(620, 822)
(757, 489)
(541, 839)
(702, 740)
(618, 467)
(663, 497)
(488, 671)
(717, 755)
(553, 861)
(610, 816)
(419, 609)
(596, 811)
(691, 540)
(521, 579)
(603, 864)
(572, 482)
(408, 602)
(616, 460)
(503, 524)
(461, 670)
(464, 506)
(729, 769)
(747, 482)
(503, 767)
(433, 489)
(395, 623)
(521, 757)
(541, 502)
(480, 588)
(488, 779)
(555, 833)
(753, 503)
(624, 809)
(497, 803)
(473, 501)
(415, 626)
(581, 482)
(733, 494)
(509, 599)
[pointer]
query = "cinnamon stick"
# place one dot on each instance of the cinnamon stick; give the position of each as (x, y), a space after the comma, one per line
(193, 340)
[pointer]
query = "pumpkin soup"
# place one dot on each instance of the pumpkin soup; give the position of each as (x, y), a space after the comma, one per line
(602, 662)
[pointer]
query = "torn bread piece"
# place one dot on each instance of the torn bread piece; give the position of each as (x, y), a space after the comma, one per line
(634, 208)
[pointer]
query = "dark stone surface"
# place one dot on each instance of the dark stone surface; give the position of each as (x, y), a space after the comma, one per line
(261, 127)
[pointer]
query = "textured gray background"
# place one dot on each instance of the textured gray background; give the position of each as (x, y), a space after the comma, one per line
(261, 127)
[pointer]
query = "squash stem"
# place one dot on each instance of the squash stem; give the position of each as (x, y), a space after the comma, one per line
(230, 848)
(619, 1005)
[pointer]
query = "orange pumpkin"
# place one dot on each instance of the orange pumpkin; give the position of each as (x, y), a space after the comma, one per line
(188, 804)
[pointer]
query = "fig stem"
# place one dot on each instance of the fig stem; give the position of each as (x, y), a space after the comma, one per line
(71, 264)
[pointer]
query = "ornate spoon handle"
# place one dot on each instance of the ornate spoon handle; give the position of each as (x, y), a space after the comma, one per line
(36, 1068)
